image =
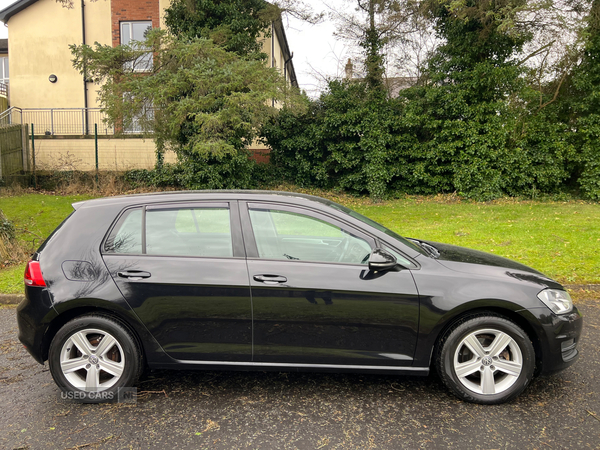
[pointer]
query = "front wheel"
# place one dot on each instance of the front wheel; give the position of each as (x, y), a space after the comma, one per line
(94, 354)
(486, 359)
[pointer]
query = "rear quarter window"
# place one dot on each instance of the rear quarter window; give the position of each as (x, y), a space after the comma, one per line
(126, 236)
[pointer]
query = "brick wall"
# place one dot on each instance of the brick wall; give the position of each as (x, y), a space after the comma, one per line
(261, 155)
(131, 10)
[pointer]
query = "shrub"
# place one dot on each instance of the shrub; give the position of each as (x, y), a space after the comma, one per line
(10, 250)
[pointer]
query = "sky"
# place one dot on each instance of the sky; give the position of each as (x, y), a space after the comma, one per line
(317, 54)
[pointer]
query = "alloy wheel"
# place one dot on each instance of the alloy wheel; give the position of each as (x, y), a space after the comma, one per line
(488, 361)
(92, 360)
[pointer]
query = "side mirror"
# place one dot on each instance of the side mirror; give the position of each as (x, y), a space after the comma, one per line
(381, 260)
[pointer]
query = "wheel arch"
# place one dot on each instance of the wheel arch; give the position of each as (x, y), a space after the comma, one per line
(507, 313)
(70, 314)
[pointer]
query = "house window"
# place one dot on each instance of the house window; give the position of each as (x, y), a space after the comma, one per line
(4, 70)
(134, 35)
(135, 124)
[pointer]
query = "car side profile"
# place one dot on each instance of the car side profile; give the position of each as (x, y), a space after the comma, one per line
(282, 281)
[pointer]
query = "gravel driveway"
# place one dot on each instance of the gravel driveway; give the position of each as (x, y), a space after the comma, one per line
(270, 410)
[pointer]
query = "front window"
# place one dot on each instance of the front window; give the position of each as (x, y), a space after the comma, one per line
(291, 236)
(134, 35)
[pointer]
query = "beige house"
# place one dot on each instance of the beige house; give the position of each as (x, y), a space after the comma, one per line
(48, 92)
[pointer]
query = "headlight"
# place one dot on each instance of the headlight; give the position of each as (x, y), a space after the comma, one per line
(558, 301)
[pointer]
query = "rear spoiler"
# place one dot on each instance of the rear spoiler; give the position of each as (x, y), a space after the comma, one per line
(78, 205)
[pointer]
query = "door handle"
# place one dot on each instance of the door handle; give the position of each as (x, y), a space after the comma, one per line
(134, 275)
(270, 279)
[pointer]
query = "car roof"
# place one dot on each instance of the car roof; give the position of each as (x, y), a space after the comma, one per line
(222, 194)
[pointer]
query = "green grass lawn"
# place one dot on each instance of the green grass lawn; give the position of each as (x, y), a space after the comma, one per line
(11, 280)
(35, 216)
(561, 239)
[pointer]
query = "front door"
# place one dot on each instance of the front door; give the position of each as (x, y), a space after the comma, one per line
(315, 300)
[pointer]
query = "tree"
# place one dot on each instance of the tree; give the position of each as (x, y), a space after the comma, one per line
(584, 108)
(346, 139)
(234, 25)
(372, 25)
(201, 101)
(476, 133)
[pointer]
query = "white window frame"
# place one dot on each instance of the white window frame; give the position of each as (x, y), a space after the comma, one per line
(3, 65)
(143, 63)
(135, 126)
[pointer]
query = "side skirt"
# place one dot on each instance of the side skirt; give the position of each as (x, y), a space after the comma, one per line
(290, 367)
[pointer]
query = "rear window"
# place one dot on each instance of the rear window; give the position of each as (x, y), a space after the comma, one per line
(186, 231)
(189, 232)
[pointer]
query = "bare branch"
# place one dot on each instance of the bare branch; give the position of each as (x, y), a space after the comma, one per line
(536, 52)
(555, 92)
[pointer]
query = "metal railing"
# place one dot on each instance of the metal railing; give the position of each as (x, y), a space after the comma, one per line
(7, 117)
(59, 121)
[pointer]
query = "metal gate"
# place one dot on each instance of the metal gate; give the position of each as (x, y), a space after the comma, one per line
(13, 157)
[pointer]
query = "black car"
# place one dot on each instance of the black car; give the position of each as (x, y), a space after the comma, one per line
(282, 281)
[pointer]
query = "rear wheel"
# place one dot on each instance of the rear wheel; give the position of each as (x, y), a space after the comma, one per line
(94, 354)
(486, 359)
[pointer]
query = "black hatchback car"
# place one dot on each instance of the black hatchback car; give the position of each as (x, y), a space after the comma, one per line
(282, 281)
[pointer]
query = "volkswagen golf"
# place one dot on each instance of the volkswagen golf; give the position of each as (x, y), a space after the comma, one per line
(282, 281)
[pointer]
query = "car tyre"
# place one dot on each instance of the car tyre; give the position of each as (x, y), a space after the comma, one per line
(486, 359)
(93, 356)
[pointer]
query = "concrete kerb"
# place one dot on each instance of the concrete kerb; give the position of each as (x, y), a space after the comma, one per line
(11, 299)
(583, 287)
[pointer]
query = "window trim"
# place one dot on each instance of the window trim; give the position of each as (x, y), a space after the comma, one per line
(191, 205)
(250, 240)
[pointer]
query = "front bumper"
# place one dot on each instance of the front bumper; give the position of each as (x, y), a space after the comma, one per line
(559, 337)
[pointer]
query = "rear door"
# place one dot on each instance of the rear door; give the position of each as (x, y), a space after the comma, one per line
(314, 299)
(182, 269)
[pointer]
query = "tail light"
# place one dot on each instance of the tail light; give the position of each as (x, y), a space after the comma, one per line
(33, 274)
